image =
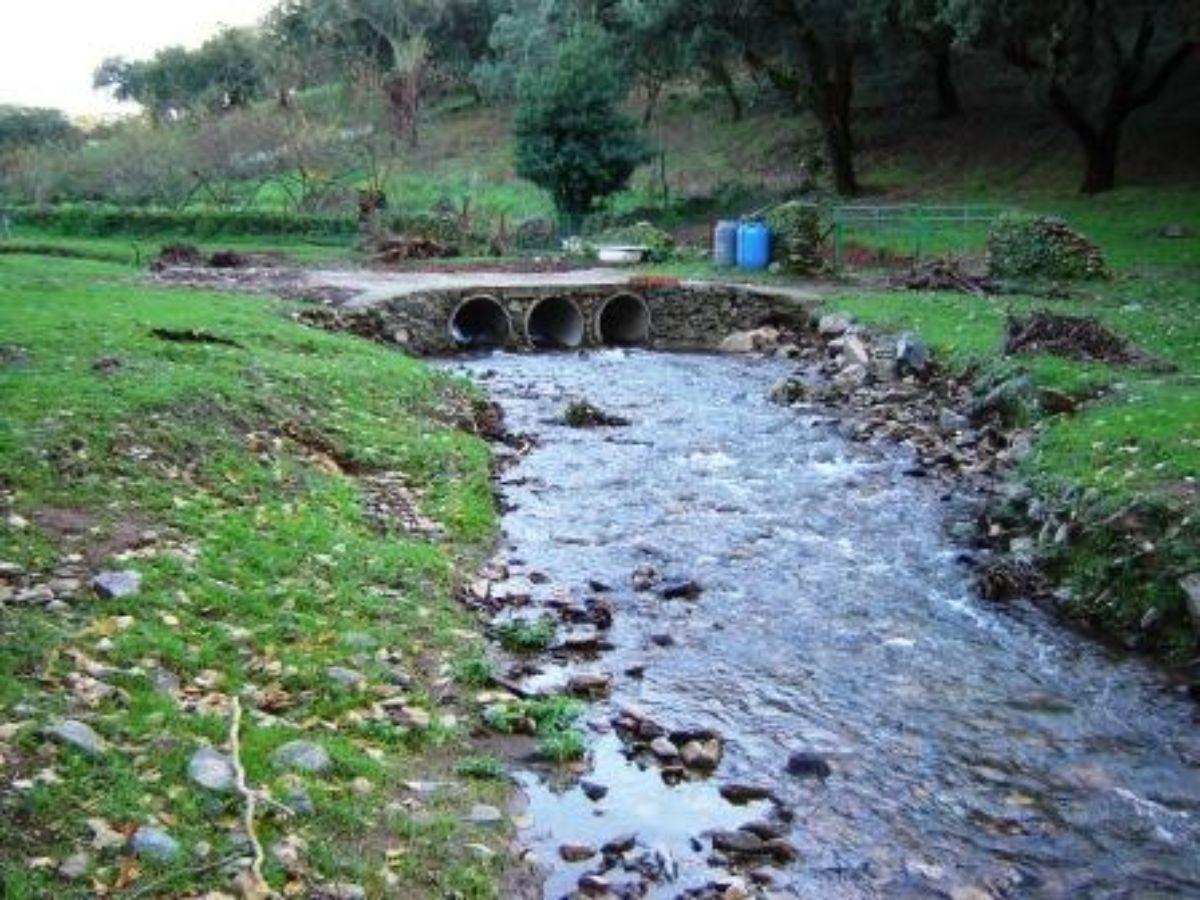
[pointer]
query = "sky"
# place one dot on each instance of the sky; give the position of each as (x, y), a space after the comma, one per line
(49, 48)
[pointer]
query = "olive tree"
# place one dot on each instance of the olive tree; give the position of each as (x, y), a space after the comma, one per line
(1094, 62)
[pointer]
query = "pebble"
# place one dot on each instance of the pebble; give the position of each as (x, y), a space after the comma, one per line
(576, 852)
(620, 844)
(483, 814)
(303, 756)
(680, 589)
(593, 790)
(114, 585)
(663, 748)
(298, 801)
(803, 764)
(347, 678)
(211, 770)
(744, 793)
(701, 754)
(149, 842)
(78, 735)
(75, 866)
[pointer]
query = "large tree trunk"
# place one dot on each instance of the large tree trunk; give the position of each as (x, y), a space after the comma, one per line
(949, 106)
(831, 81)
(1101, 152)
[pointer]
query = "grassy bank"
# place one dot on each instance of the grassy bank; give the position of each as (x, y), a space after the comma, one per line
(234, 461)
(1123, 469)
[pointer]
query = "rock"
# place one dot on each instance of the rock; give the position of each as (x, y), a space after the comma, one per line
(211, 770)
(738, 342)
(589, 684)
(760, 339)
(576, 852)
(702, 754)
(149, 842)
(664, 748)
(787, 391)
(115, 585)
(663, 639)
(164, 681)
(1174, 231)
(298, 801)
(636, 669)
(76, 734)
(621, 844)
(832, 326)
(739, 794)
(1006, 401)
(912, 356)
(643, 578)
(741, 843)
(764, 830)
(483, 814)
(346, 678)
(75, 866)
(950, 421)
(341, 891)
(855, 352)
(680, 588)
(781, 850)
(803, 764)
(302, 756)
(1056, 402)
(1191, 591)
(359, 640)
(593, 790)
(594, 885)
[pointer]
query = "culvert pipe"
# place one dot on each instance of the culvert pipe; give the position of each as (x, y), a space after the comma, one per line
(623, 321)
(479, 322)
(555, 324)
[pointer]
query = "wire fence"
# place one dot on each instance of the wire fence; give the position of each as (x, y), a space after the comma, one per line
(903, 232)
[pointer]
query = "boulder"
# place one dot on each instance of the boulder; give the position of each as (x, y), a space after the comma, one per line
(805, 764)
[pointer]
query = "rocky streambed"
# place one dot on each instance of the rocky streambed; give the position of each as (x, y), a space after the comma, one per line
(795, 688)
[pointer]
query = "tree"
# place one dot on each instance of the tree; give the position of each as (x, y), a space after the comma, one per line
(663, 39)
(225, 72)
(809, 49)
(923, 22)
(1094, 62)
(571, 137)
(27, 126)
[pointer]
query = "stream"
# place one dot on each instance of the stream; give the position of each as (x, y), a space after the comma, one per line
(974, 750)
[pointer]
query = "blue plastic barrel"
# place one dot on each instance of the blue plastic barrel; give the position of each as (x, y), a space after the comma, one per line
(753, 246)
(725, 240)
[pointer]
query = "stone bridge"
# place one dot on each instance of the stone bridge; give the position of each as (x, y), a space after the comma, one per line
(656, 314)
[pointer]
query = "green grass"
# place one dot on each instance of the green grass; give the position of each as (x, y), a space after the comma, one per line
(264, 562)
(140, 251)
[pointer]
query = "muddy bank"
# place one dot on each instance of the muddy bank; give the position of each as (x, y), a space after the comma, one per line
(796, 686)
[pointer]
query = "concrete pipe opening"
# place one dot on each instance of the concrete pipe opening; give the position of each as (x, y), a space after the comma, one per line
(480, 322)
(555, 323)
(623, 321)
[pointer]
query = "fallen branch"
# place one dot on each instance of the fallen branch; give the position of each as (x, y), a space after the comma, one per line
(256, 885)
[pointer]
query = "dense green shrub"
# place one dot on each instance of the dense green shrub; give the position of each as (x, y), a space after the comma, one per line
(87, 220)
(796, 237)
(1029, 246)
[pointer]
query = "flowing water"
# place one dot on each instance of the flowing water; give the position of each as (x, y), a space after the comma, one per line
(976, 750)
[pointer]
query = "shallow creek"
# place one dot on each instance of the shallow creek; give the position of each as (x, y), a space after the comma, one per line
(975, 750)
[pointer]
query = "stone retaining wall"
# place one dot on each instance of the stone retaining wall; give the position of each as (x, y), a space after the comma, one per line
(682, 317)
